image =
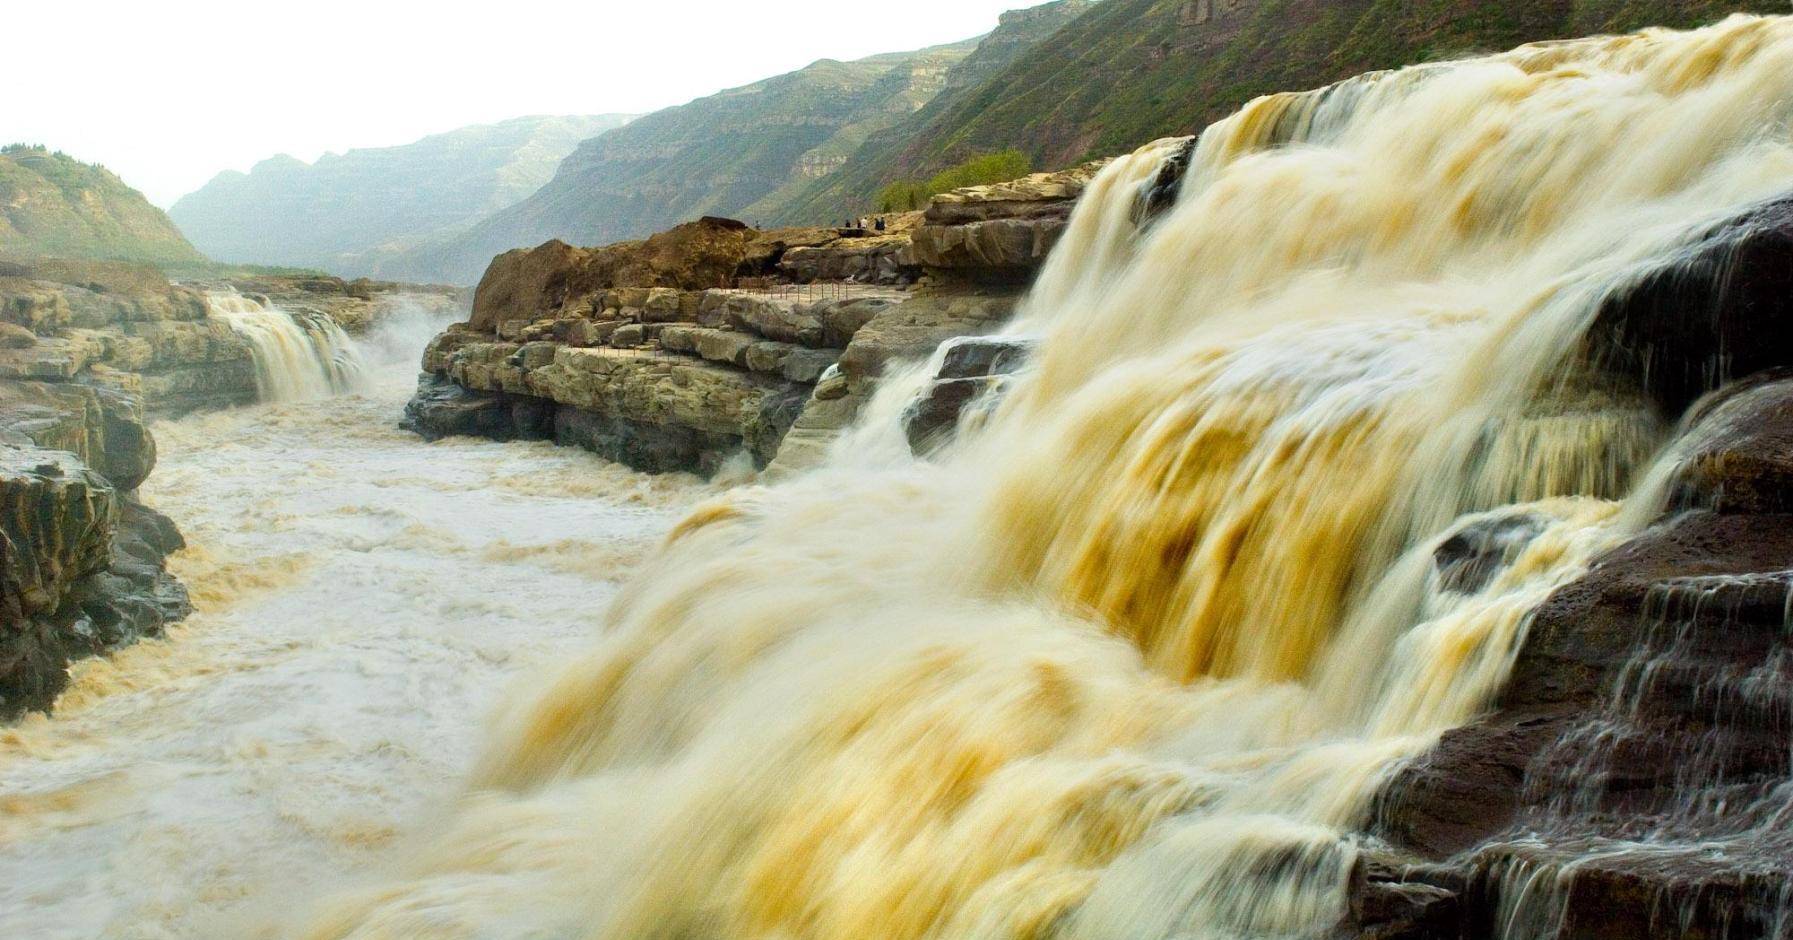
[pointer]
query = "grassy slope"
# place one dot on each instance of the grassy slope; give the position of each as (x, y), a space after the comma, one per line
(55, 206)
(1130, 71)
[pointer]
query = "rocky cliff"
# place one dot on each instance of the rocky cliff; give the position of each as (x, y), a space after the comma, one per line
(81, 561)
(52, 205)
(1633, 775)
(354, 213)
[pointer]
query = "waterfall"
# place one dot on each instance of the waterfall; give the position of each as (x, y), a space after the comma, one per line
(298, 356)
(1267, 514)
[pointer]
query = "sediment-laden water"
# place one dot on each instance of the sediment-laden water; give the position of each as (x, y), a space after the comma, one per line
(364, 599)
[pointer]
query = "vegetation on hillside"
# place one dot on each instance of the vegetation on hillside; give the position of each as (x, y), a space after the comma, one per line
(52, 205)
(909, 195)
(1130, 71)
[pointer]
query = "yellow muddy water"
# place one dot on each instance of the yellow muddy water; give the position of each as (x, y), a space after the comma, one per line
(363, 600)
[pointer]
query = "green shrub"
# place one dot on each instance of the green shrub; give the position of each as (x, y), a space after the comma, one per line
(908, 195)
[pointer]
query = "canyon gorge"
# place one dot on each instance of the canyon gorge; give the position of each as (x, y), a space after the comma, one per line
(1367, 516)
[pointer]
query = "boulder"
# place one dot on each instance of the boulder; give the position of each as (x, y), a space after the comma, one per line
(723, 346)
(781, 320)
(556, 279)
(808, 365)
(971, 371)
(913, 329)
(1721, 310)
(525, 284)
(1167, 184)
(104, 427)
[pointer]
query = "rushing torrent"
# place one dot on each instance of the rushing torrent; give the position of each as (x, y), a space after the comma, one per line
(297, 356)
(1130, 661)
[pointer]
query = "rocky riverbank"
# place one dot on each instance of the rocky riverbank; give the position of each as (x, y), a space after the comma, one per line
(89, 351)
(635, 352)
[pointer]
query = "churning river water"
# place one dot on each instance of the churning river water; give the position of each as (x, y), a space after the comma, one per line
(363, 599)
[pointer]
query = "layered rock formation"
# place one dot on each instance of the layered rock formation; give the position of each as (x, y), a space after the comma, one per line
(126, 327)
(81, 561)
(1002, 231)
(123, 327)
(629, 351)
(660, 378)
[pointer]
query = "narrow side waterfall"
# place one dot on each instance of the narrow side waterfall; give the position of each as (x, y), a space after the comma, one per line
(298, 356)
(1267, 514)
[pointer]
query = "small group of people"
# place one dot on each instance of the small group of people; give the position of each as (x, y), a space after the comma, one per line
(866, 224)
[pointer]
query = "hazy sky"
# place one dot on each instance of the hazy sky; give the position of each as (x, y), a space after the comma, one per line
(166, 93)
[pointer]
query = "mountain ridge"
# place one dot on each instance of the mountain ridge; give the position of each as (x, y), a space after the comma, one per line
(350, 212)
(53, 205)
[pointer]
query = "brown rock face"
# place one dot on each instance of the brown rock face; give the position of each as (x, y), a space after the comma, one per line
(997, 234)
(549, 279)
(526, 282)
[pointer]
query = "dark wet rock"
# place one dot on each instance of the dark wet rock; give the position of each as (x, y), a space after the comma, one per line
(971, 371)
(933, 417)
(1721, 311)
(81, 572)
(651, 448)
(1394, 901)
(982, 356)
(1745, 463)
(1471, 556)
(1632, 777)
(444, 408)
(1161, 193)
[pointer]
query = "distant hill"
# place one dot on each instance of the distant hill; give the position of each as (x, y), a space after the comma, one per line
(1130, 71)
(52, 205)
(742, 152)
(351, 213)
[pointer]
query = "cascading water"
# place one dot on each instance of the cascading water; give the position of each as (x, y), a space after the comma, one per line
(1130, 661)
(297, 356)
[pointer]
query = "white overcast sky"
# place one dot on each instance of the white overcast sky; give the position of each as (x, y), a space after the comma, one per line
(167, 93)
